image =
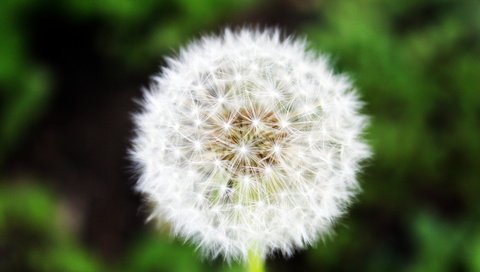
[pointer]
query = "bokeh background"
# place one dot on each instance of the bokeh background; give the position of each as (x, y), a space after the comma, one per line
(70, 71)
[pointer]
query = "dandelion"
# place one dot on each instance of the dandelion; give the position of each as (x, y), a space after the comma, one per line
(248, 142)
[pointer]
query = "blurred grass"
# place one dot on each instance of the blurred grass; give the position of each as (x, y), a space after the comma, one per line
(416, 64)
(32, 237)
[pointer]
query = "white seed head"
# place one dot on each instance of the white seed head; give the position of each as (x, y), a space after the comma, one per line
(248, 141)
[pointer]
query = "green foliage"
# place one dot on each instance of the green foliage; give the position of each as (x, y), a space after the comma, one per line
(23, 84)
(473, 253)
(31, 230)
(438, 244)
(155, 253)
(142, 33)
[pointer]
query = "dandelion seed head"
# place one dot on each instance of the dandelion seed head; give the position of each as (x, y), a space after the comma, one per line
(249, 141)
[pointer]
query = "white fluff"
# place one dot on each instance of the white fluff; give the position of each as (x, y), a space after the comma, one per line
(248, 141)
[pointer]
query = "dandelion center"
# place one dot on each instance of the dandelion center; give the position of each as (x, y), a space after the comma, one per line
(248, 144)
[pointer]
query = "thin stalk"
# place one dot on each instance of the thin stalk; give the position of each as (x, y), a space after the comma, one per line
(255, 262)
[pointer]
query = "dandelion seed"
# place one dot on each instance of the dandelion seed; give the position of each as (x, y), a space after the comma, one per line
(249, 141)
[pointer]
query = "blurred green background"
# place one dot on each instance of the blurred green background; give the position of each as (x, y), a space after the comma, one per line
(69, 74)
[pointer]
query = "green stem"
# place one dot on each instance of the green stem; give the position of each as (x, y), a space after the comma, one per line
(255, 262)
